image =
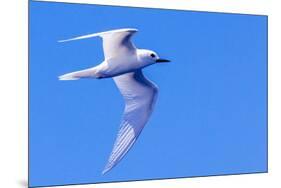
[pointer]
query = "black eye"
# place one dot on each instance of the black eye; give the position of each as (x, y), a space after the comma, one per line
(152, 55)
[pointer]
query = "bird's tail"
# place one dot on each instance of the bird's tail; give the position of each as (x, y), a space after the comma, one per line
(87, 73)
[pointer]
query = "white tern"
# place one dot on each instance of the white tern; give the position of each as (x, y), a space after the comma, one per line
(124, 62)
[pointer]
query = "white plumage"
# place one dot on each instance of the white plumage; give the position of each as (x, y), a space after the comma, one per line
(123, 62)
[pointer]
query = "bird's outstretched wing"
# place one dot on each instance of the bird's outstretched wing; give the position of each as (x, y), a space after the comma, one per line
(140, 95)
(115, 42)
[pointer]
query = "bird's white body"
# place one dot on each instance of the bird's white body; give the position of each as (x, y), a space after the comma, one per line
(112, 67)
(123, 62)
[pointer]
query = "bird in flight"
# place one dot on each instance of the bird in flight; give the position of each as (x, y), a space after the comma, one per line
(124, 63)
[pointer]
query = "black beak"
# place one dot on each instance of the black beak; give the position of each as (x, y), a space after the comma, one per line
(162, 61)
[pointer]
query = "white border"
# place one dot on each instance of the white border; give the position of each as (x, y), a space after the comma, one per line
(13, 93)
(231, 6)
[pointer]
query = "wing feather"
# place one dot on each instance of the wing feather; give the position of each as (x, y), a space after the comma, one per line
(115, 42)
(140, 95)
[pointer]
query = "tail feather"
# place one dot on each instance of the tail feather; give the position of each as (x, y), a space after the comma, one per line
(87, 73)
(69, 76)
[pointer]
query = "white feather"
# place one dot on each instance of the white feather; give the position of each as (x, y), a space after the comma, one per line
(140, 95)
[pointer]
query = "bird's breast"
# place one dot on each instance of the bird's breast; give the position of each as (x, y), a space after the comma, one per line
(118, 66)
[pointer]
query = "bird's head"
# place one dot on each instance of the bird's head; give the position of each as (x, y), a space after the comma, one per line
(149, 57)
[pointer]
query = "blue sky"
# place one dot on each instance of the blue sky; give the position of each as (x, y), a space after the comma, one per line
(211, 113)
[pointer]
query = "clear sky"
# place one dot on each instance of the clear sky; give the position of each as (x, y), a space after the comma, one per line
(211, 113)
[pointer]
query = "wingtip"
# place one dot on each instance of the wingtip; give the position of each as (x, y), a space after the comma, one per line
(60, 41)
(107, 168)
(105, 171)
(98, 34)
